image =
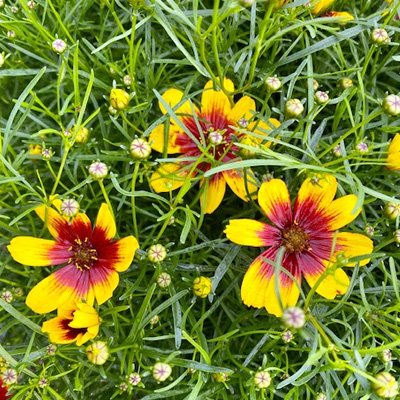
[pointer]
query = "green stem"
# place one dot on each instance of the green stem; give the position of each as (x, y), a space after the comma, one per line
(133, 187)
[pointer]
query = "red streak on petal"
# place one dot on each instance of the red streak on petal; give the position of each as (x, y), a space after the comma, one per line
(59, 254)
(70, 333)
(3, 391)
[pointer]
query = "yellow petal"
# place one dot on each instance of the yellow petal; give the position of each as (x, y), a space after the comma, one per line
(105, 223)
(216, 101)
(156, 139)
(393, 158)
(91, 333)
(84, 316)
(274, 200)
(354, 245)
(172, 97)
(38, 252)
(333, 284)
(167, 178)
(214, 191)
(235, 180)
(104, 290)
(244, 108)
(58, 331)
(342, 211)
(320, 5)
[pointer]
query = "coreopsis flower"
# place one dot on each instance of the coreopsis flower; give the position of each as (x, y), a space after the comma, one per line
(200, 141)
(35, 149)
(393, 157)
(119, 99)
(343, 15)
(318, 6)
(307, 234)
(78, 324)
(90, 257)
(3, 391)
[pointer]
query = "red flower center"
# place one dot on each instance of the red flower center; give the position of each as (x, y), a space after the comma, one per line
(295, 239)
(84, 254)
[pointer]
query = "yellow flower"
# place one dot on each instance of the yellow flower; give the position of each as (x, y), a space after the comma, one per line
(35, 149)
(318, 6)
(119, 99)
(393, 157)
(82, 136)
(78, 324)
(343, 15)
(202, 286)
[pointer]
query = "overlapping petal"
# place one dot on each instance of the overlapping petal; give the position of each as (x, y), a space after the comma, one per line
(157, 139)
(342, 211)
(244, 108)
(354, 245)
(214, 191)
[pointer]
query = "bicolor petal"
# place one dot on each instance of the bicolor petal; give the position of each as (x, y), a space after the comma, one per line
(318, 6)
(249, 232)
(244, 108)
(274, 200)
(157, 139)
(216, 101)
(354, 245)
(342, 211)
(242, 187)
(104, 283)
(214, 191)
(105, 228)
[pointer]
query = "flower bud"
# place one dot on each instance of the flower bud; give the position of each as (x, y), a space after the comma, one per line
(293, 108)
(2, 59)
(369, 230)
(59, 46)
(386, 356)
(215, 137)
(43, 382)
(14, 9)
(7, 296)
(262, 379)
(380, 36)
(273, 84)
(35, 149)
(321, 396)
(51, 349)
(11, 34)
(362, 148)
(315, 85)
(155, 320)
(337, 151)
(98, 170)
(287, 336)
(321, 97)
(134, 379)
(220, 376)
(248, 141)
(69, 208)
(164, 280)
(294, 317)
(161, 371)
(345, 83)
(246, 3)
(386, 386)
(119, 99)
(243, 122)
(127, 80)
(391, 105)
(82, 136)
(2, 3)
(156, 253)
(112, 110)
(47, 154)
(97, 353)
(140, 149)
(123, 386)
(9, 376)
(31, 4)
(202, 286)
(392, 210)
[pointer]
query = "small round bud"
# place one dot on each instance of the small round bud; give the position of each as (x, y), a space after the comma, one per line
(51, 349)
(321, 97)
(156, 253)
(202, 286)
(246, 3)
(369, 230)
(43, 382)
(294, 317)
(112, 110)
(171, 220)
(127, 80)
(243, 122)
(18, 292)
(386, 386)
(155, 320)
(396, 236)
(47, 154)
(11, 34)
(82, 136)
(2, 3)
(248, 141)
(293, 108)
(2, 59)
(9, 376)
(315, 85)
(97, 353)
(380, 36)
(7, 296)
(161, 371)
(391, 105)
(67, 133)
(14, 9)
(273, 84)
(337, 151)
(345, 83)
(220, 376)
(262, 379)
(215, 137)
(134, 379)
(123, 386)
(112, 71)
(386, 356)
(59, 46)
(31, 4)
(69, 208)
(392, 210)
(164, 280)
(119, 99)
(321, 396)
(98, 170)
(287, 336)
(140, 149)
(362, 148)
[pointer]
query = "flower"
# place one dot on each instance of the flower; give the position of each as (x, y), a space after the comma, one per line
(393, 157)
(189, 134)
(343, 15)
(202, 286)
(386, 386)
(35, 149)
(161, 371)
(119, 99)
(78, 324)
(308, 237)
(92, 260)
(97, 353)
(3, 391)
(318, 6)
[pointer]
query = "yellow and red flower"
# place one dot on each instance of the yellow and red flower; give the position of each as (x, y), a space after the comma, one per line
(343, 15)
(393, 157)
(318, 6)
(3, 391)
(78, 324)
(92, 259)
(210, 142)
(309, 238)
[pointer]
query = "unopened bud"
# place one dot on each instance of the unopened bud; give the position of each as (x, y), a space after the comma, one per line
(9, 376)
(2, 59)
(134, 379)
(98, 170)
(59, 46)
(287, 336)
(246, 3)
(321, 396)
(321, 97)
(362, 148)
(164, 280)
(156, 253)
(248, 141)
(11, 34)
(7, 296)
(220, 376)
(386, 386)
(337, 150)
(392, 210)
(380, 36)
(127, 80)
(293, 108)
(294, 317)
(112, 110)
(97, 353)
(161, 371)
(69, 208)
(262, 379)
(369, 230)
(47, 154)
(140, 149)
(202, 286)
(119, 99)
(31, 4)
(273, 84)
(155, 320)
(386, 356)
(215, 137)
(82, 136)
(345, 83)
(391, 105)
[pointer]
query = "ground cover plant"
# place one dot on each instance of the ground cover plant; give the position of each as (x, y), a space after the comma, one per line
(199, 199)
